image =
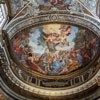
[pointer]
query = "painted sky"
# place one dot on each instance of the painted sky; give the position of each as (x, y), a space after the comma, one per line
(39, 49)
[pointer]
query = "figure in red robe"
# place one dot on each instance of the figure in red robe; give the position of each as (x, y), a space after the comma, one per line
(55, 2)
(32, 65)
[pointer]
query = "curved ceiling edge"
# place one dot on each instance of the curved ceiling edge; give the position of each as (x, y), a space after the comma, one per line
(38, 74)
(32, 89)
(13, 28)
(54, 18)
(26, 44)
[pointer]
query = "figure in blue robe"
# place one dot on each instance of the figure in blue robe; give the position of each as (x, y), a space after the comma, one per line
(57, 65)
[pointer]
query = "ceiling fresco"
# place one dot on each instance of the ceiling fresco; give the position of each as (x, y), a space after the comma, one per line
(49, 49)
(91, 4)
(55, 49)
(34, 7)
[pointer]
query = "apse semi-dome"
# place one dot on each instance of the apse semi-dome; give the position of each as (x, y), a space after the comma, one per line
(50, 49)
(55, 49)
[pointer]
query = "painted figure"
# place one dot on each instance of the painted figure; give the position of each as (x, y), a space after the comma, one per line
(55, 2)
(33, 66)
(55, 49)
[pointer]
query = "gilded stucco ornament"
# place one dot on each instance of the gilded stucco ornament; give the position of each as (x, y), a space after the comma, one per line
(54, 53)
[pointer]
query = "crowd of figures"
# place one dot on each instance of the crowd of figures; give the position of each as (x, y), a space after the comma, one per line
(52, 53)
